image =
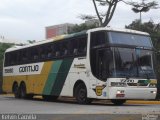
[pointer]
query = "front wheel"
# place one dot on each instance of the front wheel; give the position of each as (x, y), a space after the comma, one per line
(81, 94)
(118, 102)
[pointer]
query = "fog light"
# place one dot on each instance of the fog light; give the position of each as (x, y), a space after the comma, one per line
(154, 92)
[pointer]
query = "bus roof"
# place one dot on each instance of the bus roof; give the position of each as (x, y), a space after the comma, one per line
(119, 30)
(74, 35)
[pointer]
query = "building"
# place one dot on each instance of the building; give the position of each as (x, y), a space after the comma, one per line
(56, 30)
(61, 29)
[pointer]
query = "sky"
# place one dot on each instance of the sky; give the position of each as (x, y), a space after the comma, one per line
(26, 19)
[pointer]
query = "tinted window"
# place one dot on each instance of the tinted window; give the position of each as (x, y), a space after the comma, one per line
(71, 47)
(130, 39)
(98, 38)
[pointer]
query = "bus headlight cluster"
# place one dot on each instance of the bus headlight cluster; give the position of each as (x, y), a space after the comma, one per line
(120, 93)
(154, 92)
(153, 85)
(118, 84)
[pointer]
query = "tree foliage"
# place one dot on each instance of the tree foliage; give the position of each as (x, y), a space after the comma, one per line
(149, 27)
(139, 7)
(31, 41)
(106, 16)
(81, 27)
(3, 47)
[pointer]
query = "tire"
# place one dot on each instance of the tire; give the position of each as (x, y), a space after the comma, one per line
(49, 98)
(23, 93)
(16, 91)
(118, 102)
(81, 94)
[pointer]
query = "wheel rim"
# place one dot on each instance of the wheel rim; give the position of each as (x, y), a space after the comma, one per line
(15, 89)
(23, 91)
(82, 95)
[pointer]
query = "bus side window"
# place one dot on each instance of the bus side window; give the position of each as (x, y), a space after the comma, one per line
(57, 49)
(97, 38)
(65, 46)
(34, 54)
(61, 49)
(42, 52)
(82, 45)
(24, 56)
(20, 57)
(7, 58)
(69, 48)
(49, 51)
(13, 57)
(75, 47)
(53, 51)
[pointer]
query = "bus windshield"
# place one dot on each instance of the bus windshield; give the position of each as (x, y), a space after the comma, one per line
(136, 63)
(125, 55)
(129, 39)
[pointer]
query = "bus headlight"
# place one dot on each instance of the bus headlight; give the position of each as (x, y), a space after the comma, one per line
(120, 93)
(154, 92)
(152, 85)
(118, 84)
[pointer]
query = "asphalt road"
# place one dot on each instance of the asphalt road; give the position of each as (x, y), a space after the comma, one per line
(70, 109)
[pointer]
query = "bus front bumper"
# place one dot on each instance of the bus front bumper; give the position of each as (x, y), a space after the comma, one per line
(132, 93)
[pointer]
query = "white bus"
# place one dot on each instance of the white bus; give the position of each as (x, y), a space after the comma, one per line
(101, 63)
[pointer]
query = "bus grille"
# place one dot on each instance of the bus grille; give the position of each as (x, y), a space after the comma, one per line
(137, 84)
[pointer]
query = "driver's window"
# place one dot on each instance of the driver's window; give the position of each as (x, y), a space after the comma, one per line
(103, 63)
(98, 38)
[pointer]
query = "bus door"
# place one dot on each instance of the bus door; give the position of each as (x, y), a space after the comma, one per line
(101, 69)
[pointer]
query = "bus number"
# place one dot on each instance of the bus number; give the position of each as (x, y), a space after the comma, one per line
(127, 81)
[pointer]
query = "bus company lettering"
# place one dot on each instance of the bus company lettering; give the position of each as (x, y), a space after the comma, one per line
(10, 70)
(30, 68)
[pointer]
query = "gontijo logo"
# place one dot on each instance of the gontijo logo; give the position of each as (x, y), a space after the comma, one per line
(29, 68)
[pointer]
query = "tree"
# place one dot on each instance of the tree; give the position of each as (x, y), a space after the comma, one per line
(143, 7)
(3, 47)
(81, 27)
(31, 41)
(104, 18)
(149, 27)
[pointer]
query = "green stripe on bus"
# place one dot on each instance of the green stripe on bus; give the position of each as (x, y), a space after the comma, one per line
(61, 77)
(52, 77)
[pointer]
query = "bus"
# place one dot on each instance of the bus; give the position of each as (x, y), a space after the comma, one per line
(101, 63)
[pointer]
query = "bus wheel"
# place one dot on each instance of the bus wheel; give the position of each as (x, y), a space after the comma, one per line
(118, 102)
(81, 94)
(23, 91)
(49, 97)
(16, 91)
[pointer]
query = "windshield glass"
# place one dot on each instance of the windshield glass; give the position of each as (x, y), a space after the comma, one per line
(135, 63)
(129, 39)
